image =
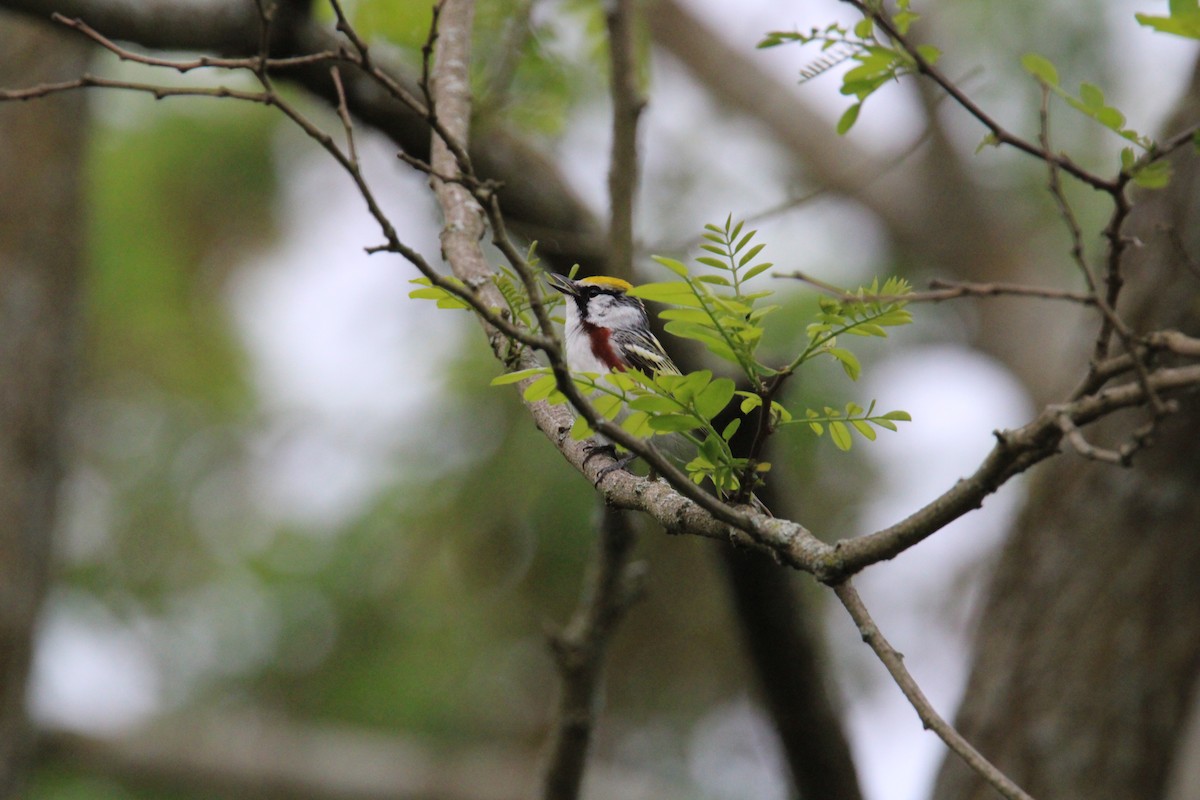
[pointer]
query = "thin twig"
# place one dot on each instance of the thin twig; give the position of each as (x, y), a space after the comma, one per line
(894, 662)
(344, 114)
(158, 91)
(943, 290)
(1111, 322)
(201, 62)
(1001, 134)
(1056, 191)
(1085, 448)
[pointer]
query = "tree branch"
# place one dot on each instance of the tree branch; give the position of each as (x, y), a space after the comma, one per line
(1014, 452)
(894, 662)
(579, 650)
(626, 108)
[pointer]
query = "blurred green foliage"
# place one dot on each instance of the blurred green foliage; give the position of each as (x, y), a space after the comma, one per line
(423, 612)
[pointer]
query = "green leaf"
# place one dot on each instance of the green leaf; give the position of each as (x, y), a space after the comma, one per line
(1184, 20)
(712, 399)
(654, 404)
(1091, 95)
(581, 429)
(711, 448)
(444, 299)
(673, 292)
(848, 118)
(750, 401)
(1154, 175)
(732, 306)
(631, 378)
(865, 429)
(930, 53)
(840, 435)
(989, 140)
(900, 416)
(693, 315)
(608, 405)
(672, 423)
(750, 254)
(540, 389)
(864, 28)
(715, 263)
(707, 335)
(745, 240)
(1041, 68)
(637, 424)
(868, 329)
(519, 375)
(1111, 118)
(731, 428)
(757, 269)
(685, 388)
(675, 266)
(904, 19)
(849, 362)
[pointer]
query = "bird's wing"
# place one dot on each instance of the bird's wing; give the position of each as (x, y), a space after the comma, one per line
(643, 352)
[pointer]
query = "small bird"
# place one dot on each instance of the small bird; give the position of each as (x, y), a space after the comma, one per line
(607, 330)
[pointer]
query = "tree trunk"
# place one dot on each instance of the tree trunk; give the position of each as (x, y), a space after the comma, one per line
(1089, 641)
(41, 233)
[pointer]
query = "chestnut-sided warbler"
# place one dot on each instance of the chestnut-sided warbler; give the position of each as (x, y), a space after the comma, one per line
(607, 330)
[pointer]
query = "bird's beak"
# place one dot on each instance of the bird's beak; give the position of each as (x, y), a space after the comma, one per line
(562, 284)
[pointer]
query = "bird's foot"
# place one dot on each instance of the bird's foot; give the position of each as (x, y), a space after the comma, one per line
(619, 462)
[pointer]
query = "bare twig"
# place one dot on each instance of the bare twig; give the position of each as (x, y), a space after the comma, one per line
(1088, 450)
(1001, 134)
(201, 62)
(158, 91)
(894, 662)
(344, 115)
(1056, 191)
(1111, 322)
(942, 290)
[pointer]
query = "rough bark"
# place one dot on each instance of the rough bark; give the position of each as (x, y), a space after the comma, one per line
(1089, 642)
(41, 231)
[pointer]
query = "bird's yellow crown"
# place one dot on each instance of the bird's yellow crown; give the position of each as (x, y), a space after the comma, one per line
(610, 283)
